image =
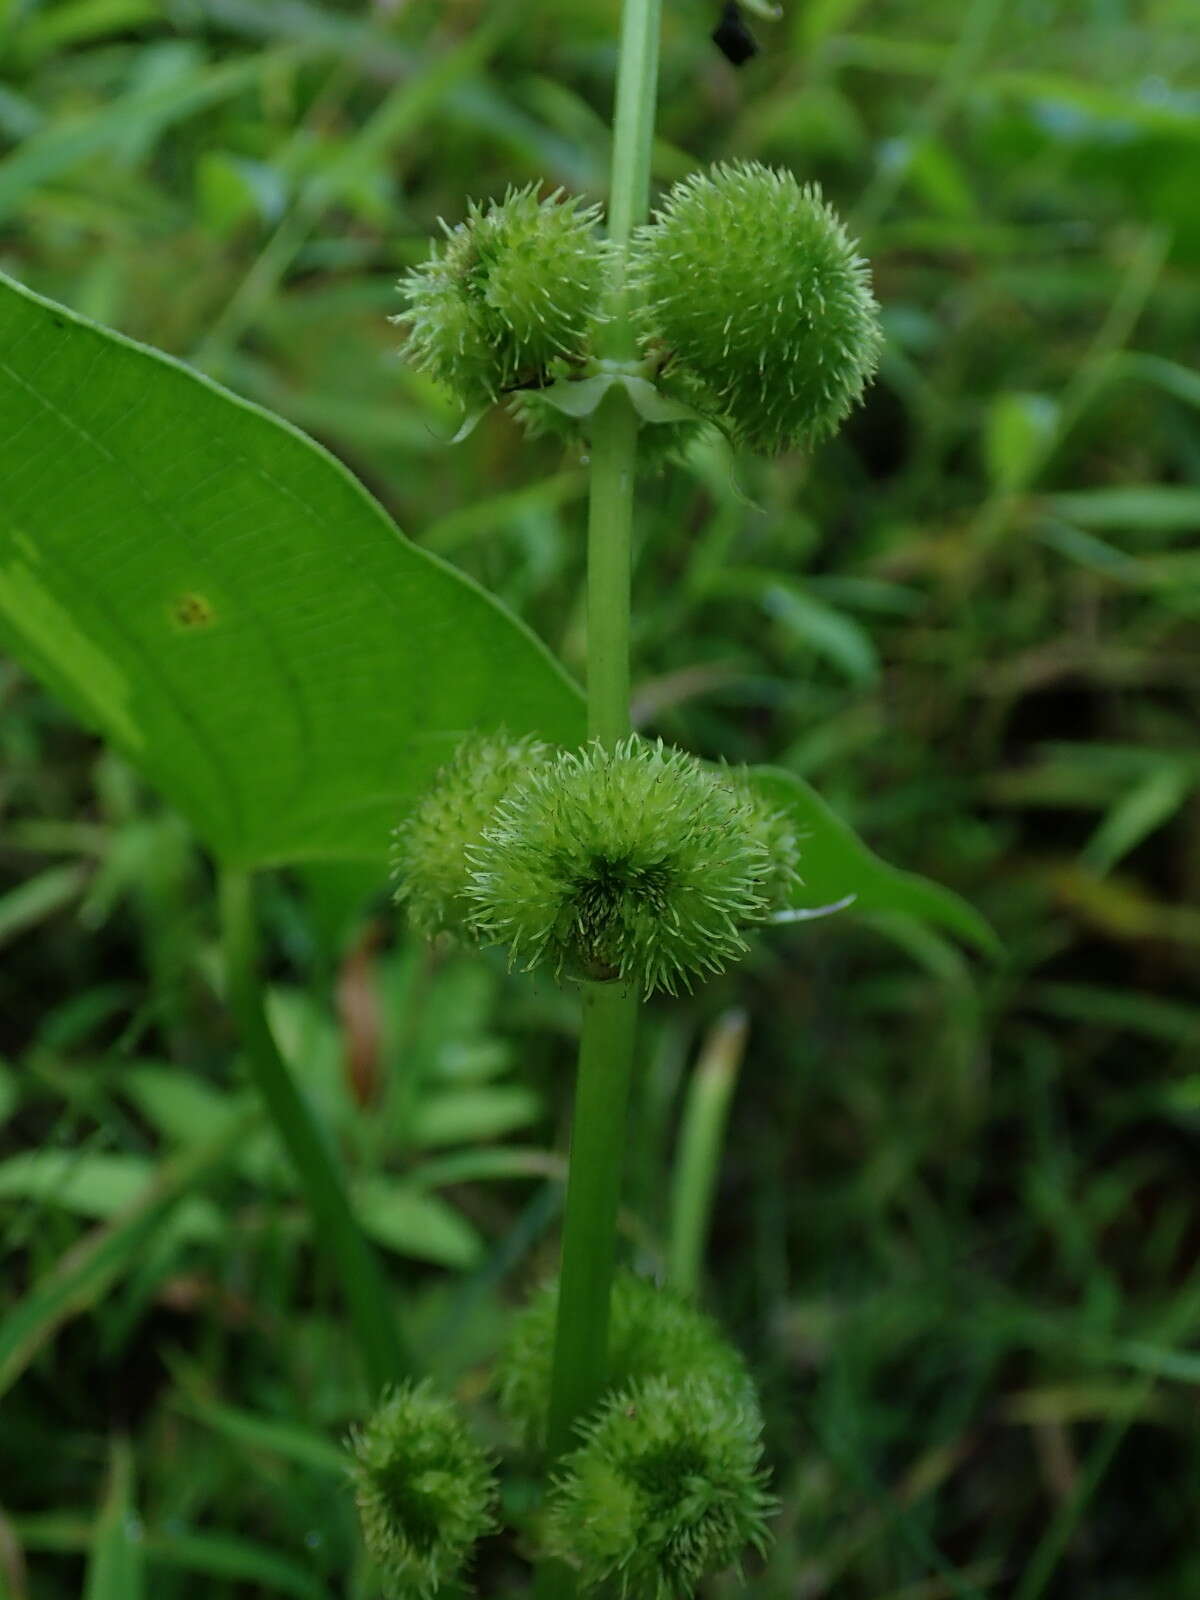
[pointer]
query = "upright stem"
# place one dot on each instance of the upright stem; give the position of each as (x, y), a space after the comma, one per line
(610, 1011)
(615, 424)
(633, 141)
(610, 538)
(593, 1193)
(337, 1231)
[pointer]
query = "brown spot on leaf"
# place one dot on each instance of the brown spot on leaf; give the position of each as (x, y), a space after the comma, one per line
(191, 611)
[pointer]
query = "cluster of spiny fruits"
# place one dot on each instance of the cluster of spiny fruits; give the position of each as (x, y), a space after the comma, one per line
(664, 1485)
(637, 864)
(754, 313)
(631, 864)
(753, 306)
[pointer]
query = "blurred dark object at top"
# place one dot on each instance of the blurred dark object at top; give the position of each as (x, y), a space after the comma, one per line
(732, 37)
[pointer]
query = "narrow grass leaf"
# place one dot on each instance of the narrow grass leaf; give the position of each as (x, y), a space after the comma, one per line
(1150, 509)
(39, 897)
(287, 1440)
(84, 1275)
(1136, 815)
(116, 1563)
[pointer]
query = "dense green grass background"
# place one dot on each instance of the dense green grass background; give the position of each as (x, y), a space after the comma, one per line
(959, 1216)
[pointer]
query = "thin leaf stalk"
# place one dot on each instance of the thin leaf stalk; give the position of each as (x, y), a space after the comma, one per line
(338, 1235)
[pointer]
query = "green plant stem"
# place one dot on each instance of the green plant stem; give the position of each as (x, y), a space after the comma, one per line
(615, 424)
(338, 1234)
(590, 1219)
(633, 142)
(609, 1011)
(610, 539)
(698, 1155)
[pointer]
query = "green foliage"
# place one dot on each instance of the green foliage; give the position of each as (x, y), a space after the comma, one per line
(433, 845)
(652, 1333)
(954, 1221)
(635, 864)
(514, 291)
(667, 1486)
(243, 672)
(424, 1490)
(759, 305)
(116, 1566)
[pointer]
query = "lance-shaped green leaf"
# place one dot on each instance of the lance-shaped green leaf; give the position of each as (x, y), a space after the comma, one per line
(221, 599)
(837, 868)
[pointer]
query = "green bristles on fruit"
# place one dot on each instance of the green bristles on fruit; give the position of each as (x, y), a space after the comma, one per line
(634, 863)
(667, 1486)
(652, 1333)
(513, 292)
(424, 1490)
(758, 303)
(430, 847)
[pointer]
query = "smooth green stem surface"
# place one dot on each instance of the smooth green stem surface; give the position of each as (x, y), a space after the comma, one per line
(338, 1234)
(593, 1194)
(633, 142)
(698, 1156)
(598, 1132)
(633, 117)
(610, 538)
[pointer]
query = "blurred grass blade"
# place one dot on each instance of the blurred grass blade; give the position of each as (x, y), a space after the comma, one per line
(81, 1277)
(1016, 433)
(39, 897)
(402, 112)
(116, 1564)
(835, 863)
(96, 1184)
(63, 145)
(698, 1153)
(459, 1116)
(74, 22)
(286, 1440)
(338, 1233)
(1135, 816)
(1149, 508)
(1149, 1015)
(216, 1555)
(824, 629)
(416, 1225)
(225, 603)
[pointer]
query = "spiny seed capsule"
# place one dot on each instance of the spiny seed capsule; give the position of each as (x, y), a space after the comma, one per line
(759, 304)
(424, 1489)
(430, 847)
(667, 1486)
(513, 291)
(634, 863)
(652, 1333)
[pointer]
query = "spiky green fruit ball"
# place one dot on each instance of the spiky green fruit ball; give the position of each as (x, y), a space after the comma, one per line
(424, 1489)
(776, 832)
(512, 291)
(652, 1333)
(668, 1485)
(758, 300)
(430, 848)
(634, 863)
